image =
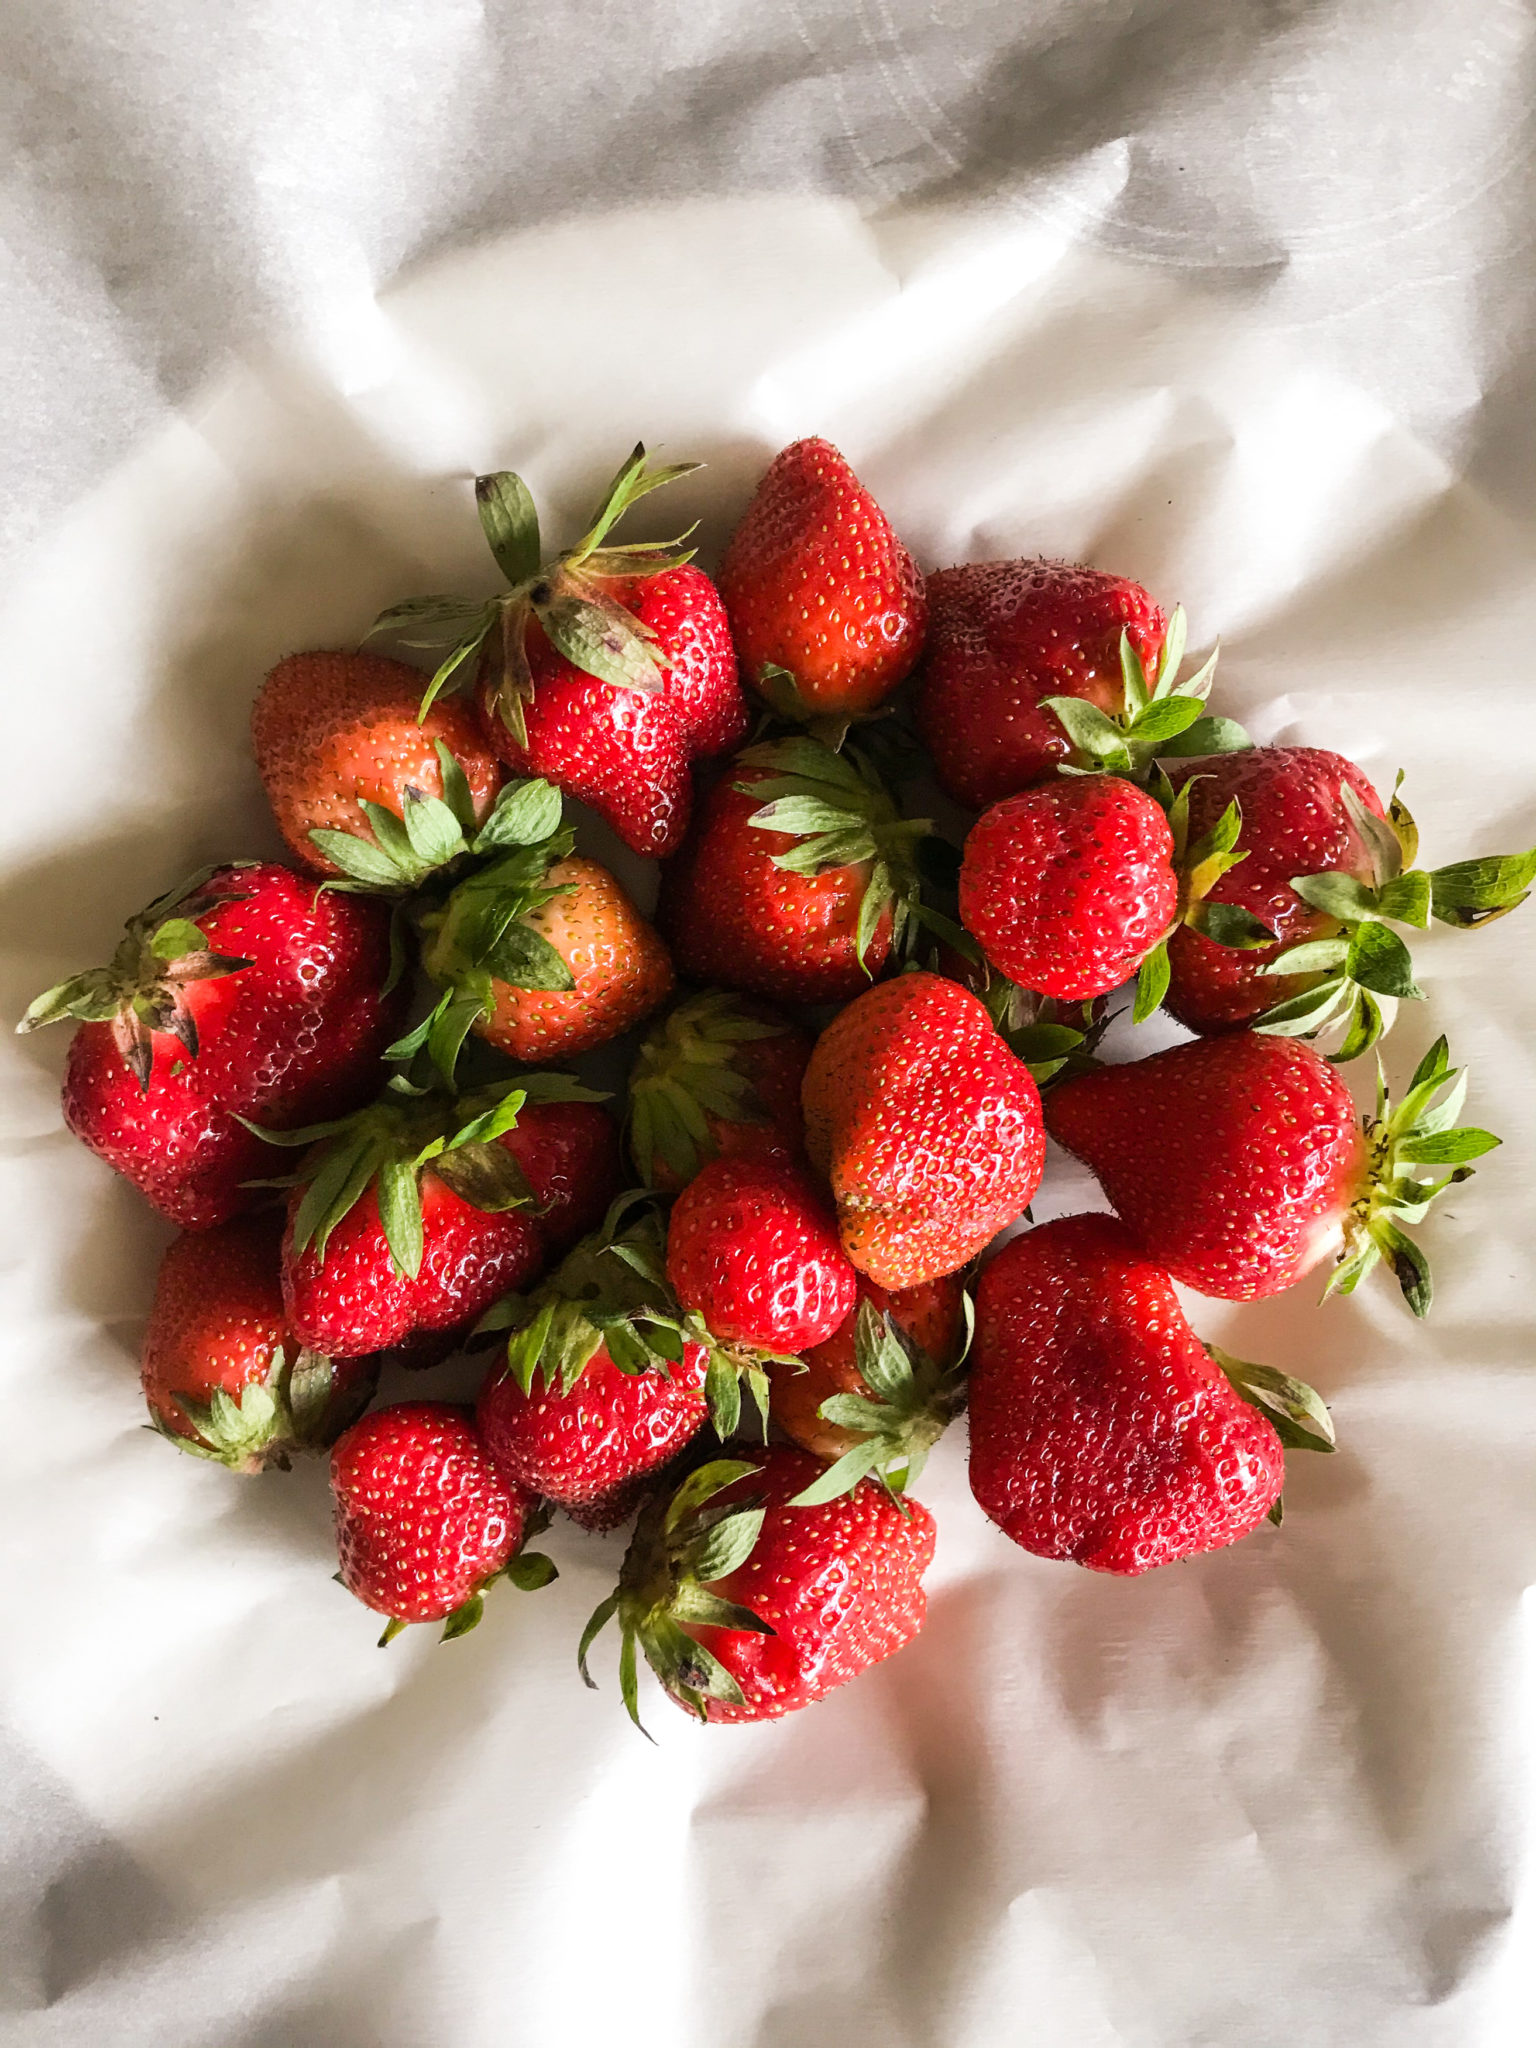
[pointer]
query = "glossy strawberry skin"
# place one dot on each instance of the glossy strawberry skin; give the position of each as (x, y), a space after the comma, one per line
(423, 1518)
(585, 1448)
(620, 966)
(332, 729)
(1068, 887)
(684, 610)
(840, 1585)
(292, 1038)
(570, 1153)
(927, 1126)
(1003, 635)
(1294, 823)
(816, 582)
(753, 1249)
(930, 1315)
(732, 918)
(1101, 1429)
(1232, 1160)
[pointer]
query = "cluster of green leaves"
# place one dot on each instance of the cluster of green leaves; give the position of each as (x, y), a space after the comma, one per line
(685, 1073)
(1200, 867)
(682, 1545)
(290, 1409)
(1296, 1412)
(1159, 717)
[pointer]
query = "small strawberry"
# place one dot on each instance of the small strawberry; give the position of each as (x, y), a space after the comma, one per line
(603, 1381)
(798, 879)
(413, 1215)
(753, 1252)
(606, 671)
(748, 1607)
(1035, 665)
(878, 1394)
(1239, 1164)
(718, 1076)
(1102, 1430)
(1328, 871)
(827, 607)
(337, 738)
(221, 1372)
(244, 993)
(927, 1126)
(424, 1521)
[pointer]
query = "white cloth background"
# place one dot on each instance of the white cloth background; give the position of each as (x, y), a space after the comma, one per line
(1233, 297)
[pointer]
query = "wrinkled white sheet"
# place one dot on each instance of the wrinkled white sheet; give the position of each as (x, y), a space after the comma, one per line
(1278, 1796)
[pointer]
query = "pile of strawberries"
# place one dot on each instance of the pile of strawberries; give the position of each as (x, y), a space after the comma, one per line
(741, 1316)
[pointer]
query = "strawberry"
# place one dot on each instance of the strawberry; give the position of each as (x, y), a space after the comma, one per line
(798, 879)
(412, 1216)
(603, 1381)
(424, 1521)
(1326, 869)
(337, 737)
(606, 671)
(747, 1607)
(718, 1076)
(927, 1126)
(1239, 1164)
(221, 1373)
(877, 1394)
(753, 1252)
(1102, 1430)
(827, 607)
(244, 993)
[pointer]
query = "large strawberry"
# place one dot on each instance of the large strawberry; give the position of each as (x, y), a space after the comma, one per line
(604, 1379)
(747, 1606)
(753, 1251)
(1102, 1430)
(338, 737)
(718, 1076)
(1328, 870)
(222, 1374)
(927, 1126)
(605, 671)
(408, 1219)
(244, 993)
(1239, 1162)
(1032, 666)
(827, 607)
(798, 879)
(424, 1521)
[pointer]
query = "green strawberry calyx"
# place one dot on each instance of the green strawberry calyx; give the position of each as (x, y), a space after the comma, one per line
(683, 1544)
(527, 1570)
(1402, 1140)
(1350, 972)
(1199, 867)
(389, 1146)
(685, 1074)
(842, 815)
(143, 988)
(291, 1408)
(1296, 1412)
(911, 1401)
(580, 617)
(1160, 717)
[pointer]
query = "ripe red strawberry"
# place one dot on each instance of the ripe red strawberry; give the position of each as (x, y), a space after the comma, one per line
(797, 880)
(222, 1374)
(753, 1251)
(747, 1607)
(927, 1126)
(244, 993)
(1239, 1165)
(827, 607)
(414, 1215)
(602, 1382)
(718, 1076)
(424, 1521)
(881, 1390)
(606, 671)
(1327, 870)
(335, 733)
(1102, 1430)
